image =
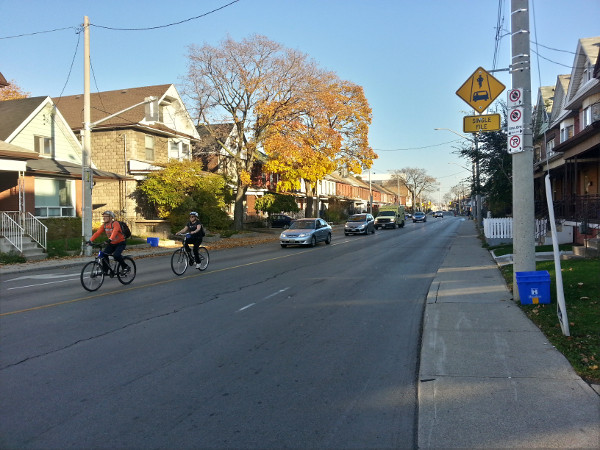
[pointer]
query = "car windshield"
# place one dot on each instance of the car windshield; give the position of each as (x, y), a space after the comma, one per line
(303, 225)
(387, 213)
(360, 218)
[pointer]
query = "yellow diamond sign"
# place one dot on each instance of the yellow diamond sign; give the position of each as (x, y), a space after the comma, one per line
(480, 90)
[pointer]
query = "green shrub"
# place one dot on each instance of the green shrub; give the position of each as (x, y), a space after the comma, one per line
(11, 258)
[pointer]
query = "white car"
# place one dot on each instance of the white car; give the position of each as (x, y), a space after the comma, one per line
(306, 232)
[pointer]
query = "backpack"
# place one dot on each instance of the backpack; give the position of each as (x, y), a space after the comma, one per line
(202, 233)
(125, 229)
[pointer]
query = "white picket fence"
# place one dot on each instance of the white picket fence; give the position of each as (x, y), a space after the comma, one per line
(502, 228)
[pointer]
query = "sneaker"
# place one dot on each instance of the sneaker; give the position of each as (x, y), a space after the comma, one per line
(198, 266)
(126, 270)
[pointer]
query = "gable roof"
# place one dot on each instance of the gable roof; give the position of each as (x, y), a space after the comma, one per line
(14, 112)
(586, 57)
(209, 135)
(103, 104)
(11, 151)
(560, 93)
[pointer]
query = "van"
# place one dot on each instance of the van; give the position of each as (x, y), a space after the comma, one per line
(390, 216)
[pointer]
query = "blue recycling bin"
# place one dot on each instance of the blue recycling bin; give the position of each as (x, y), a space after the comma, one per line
(153, 241)
(534, 287)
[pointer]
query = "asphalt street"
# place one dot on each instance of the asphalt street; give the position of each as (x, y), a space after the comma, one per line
(269, 347)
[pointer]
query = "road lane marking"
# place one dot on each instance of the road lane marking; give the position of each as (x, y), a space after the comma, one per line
(247, 306)
(46, 276)
(158, 283)
(276, 293)
(40, 284)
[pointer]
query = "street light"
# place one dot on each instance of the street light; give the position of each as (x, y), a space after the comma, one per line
(476, 180)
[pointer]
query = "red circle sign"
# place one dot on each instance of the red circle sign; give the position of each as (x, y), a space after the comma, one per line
(515, 141)
(515, 115)
(514, 95)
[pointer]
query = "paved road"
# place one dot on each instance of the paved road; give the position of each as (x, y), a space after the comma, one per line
(269, 347)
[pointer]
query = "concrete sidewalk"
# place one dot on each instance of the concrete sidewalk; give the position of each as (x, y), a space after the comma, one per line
(488, 377)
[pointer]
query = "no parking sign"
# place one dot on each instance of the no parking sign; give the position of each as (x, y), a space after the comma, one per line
(515, 144)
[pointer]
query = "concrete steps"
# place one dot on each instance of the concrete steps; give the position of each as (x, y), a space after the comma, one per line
(589, 250)
(31, 250)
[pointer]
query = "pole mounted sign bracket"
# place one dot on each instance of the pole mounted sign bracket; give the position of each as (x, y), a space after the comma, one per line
(480, 90)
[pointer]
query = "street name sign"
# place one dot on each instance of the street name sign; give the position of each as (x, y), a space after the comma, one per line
(483, 122)
(480, 90)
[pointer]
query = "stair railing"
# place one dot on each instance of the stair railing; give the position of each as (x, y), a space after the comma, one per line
(35, 228)
(12, 231)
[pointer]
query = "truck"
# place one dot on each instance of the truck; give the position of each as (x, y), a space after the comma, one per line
(390, 216)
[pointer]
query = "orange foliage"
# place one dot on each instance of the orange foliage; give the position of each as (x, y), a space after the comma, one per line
(12, 92)
(324, 130)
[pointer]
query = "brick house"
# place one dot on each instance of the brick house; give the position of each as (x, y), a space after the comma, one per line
(566, 127)
(133, 142)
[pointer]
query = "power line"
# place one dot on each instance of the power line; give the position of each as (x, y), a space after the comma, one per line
(71, 68)
(415, 148)
(41, 32)
(167, 25)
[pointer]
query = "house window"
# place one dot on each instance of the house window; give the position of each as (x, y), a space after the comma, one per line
(54, 197)
(179, 150)
(550, 146)
(587, 72)
(149, 148)
(566, 133)
(173, 150)
(43, 145)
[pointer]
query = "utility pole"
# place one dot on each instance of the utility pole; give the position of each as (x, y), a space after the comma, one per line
(522, 167)
(86, 157)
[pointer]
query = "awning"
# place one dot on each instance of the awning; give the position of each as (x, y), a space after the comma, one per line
(46, 166)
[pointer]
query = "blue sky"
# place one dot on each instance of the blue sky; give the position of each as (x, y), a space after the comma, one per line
(410, 56)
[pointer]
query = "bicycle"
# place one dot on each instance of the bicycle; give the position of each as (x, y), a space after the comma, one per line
(183, 258)
(92, 274)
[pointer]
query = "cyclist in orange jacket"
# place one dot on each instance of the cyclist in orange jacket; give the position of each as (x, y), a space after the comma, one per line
(116, 240)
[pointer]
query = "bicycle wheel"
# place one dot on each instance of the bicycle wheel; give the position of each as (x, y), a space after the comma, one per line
(179, 262)
(92, 276)
(204, 259)
(124, 275)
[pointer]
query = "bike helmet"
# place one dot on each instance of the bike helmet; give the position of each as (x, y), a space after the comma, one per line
(109, 213)
(194, 213)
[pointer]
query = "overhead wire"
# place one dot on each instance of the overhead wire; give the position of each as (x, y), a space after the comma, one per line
(167, 25)
(415, 148)
(72, 63)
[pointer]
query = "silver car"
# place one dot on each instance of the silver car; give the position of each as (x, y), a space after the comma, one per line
(306, 232)
(359, 223)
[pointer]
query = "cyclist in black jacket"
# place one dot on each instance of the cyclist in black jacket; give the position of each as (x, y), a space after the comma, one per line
(194, 231)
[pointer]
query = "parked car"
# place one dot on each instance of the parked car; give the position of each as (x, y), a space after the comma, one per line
(280, 221)
(359, 224)
(306, 232)
(438, 214)
(408, 215)
(419, 217)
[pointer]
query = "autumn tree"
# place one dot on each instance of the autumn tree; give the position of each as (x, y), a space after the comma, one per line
(228, 82)
(325, 132)
(416, 181)
(180, 187)
(12, 92)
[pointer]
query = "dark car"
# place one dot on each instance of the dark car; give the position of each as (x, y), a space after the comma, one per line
(359, 223)
(480, 95)
(280, 221)
(306, 232)
(419, 217)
